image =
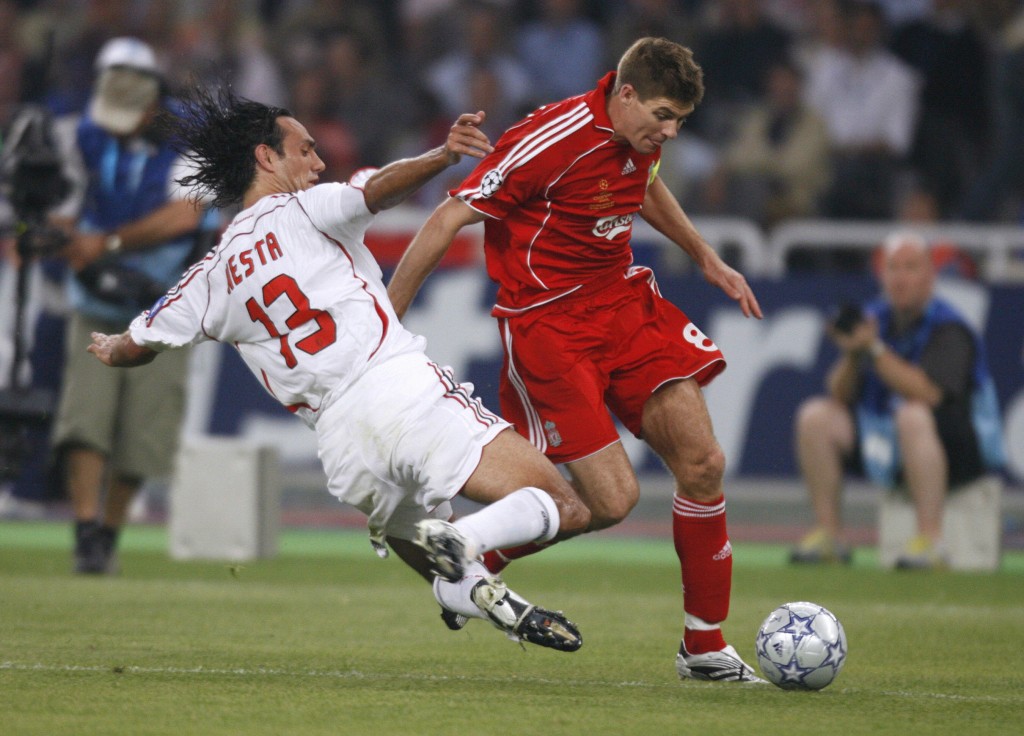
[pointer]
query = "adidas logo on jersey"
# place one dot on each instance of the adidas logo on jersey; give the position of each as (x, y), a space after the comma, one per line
(629, 168)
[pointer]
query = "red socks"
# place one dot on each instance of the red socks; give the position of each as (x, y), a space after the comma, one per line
(705, 557)
(497, 560)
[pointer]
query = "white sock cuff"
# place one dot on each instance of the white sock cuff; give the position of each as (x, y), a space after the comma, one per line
(552, 519)
(458, 596)
(698, 624)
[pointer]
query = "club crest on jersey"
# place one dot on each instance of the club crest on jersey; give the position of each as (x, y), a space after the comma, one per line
(613, 225)
(554, 438)
(491, 182)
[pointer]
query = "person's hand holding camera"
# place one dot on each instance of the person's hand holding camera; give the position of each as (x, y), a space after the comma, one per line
(85, 248)
(859, 339)
(853, 332)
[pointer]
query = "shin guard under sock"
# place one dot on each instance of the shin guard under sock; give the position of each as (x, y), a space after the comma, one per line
(705, 560)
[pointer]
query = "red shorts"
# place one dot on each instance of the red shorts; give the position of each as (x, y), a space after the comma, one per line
(568, 363)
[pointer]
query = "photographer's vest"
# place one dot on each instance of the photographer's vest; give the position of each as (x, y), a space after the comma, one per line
(127, 180)
(877, 405)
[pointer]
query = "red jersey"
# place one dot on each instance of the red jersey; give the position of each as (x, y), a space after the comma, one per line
(560, 196)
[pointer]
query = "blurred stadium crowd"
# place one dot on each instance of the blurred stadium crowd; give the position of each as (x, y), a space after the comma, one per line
(854, 109)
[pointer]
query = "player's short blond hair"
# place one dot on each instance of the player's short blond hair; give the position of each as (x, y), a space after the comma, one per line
(657, 67)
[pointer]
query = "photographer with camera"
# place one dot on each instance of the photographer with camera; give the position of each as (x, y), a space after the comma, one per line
(910, 401)
(134, 233)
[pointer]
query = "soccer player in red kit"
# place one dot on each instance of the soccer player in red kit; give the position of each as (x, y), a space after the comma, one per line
(584, 331)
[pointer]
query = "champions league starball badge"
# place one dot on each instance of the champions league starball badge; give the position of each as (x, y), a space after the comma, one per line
(491, 182)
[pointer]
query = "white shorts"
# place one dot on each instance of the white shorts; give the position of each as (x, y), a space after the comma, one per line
(402, 441)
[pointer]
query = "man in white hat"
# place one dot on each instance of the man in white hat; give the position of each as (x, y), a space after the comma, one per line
(128, 86)
(132, 232)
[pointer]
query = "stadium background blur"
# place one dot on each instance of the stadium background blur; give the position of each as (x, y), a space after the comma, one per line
(938, 144)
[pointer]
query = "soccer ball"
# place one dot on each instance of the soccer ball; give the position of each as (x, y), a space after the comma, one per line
(801, 646)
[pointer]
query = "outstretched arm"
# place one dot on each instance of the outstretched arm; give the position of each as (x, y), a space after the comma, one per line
(426, 250)
(392, 184)
(120, 351)
(171, 220)
(664, 214)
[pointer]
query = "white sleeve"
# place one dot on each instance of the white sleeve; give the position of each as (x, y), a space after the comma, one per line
(339, 210)
(176, 319)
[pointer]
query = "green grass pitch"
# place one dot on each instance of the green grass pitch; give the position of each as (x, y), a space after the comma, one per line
(327, 639)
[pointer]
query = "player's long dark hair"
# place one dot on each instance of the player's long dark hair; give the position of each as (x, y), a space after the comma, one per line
(218, 131)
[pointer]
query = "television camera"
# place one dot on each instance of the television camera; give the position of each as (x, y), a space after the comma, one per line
(33, 182)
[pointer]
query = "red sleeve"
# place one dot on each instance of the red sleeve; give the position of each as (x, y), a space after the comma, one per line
(526, 160)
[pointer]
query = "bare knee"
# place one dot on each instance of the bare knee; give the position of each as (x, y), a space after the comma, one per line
(608, 509)
(699, 477)
(819, 416)
(914, 418)
(573, 515)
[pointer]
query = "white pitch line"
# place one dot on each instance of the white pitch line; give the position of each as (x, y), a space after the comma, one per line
(332, 674)
(934, 696)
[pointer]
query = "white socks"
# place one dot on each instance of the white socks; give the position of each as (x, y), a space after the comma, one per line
(457, 596)
(526, 515)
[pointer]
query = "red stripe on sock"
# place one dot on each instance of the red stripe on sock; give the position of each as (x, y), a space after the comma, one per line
(497, 560)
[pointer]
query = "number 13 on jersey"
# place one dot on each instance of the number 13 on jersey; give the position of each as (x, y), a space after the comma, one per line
(285, 285)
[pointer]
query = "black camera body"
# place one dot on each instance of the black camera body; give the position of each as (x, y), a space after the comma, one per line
(847, 317)
(120, 285)
(31, 171)
(33, 181)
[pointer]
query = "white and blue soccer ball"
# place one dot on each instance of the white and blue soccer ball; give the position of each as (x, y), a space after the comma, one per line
(801, 646)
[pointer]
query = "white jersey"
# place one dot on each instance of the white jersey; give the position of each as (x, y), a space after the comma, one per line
(293, 287)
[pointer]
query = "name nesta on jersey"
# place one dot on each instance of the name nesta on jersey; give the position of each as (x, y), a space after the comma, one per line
(242, 265)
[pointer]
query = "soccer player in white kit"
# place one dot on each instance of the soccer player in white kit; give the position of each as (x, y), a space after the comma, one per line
(292, 286)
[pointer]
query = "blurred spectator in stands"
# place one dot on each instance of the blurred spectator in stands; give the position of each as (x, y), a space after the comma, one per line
(794, 16)
(635, 19)
(953, 124)
(335, 143)
(13, 61)
(426, 128)
(919, 207)
(997, 193)
(368, 100)
(80, 30)
(687, 167)
(777, 165)
(298, 21)
(734, 52)
(485, 94)
(824, 34)
(483, 30)
(869, 100)
(426, 30)
(222, 42)
(562, 50)
(899, 12)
